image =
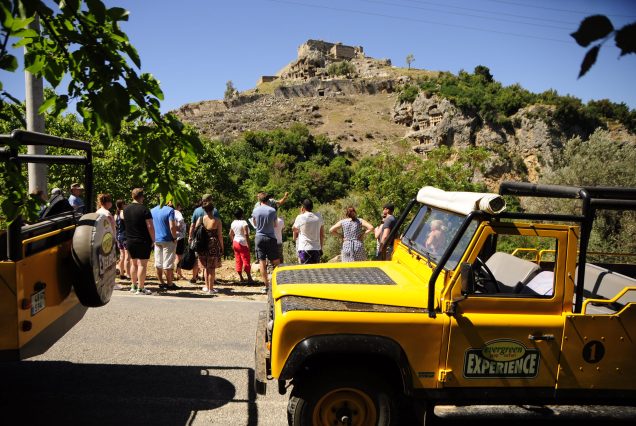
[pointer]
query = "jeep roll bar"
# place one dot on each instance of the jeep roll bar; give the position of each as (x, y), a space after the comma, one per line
(394, 231)
(593, 198)
(10, 154)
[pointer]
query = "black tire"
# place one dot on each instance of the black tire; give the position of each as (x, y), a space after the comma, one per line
(333, 397)
(92, 241)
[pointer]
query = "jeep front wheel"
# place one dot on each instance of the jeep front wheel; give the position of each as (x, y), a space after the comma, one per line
(341, 398)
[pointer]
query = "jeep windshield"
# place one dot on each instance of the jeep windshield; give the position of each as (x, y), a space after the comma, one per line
(431, 232)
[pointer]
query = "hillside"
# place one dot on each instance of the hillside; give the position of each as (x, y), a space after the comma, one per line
(366, 106)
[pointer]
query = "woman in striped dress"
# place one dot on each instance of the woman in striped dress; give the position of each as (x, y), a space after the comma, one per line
(354, 230)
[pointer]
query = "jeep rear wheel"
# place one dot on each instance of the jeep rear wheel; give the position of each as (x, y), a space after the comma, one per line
(341, 398)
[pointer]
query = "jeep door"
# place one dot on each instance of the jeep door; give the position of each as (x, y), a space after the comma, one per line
(508, 334)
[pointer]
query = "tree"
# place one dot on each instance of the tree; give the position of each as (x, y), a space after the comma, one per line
(82, 40)
(484, 71)
(410, 59)
(599, 27)
(230, 90)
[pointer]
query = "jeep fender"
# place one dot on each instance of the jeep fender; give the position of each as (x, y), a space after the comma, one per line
(356, 347)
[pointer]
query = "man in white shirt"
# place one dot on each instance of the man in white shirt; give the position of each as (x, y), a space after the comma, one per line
(309, 234)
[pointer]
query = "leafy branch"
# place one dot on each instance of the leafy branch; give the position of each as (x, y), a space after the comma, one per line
(599, 27)
(82, 40)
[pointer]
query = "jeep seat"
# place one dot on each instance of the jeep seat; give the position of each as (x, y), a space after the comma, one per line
(511, 271)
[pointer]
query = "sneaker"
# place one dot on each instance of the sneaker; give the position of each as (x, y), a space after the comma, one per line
(213, 291)
(204, 289)
(163, 287)
(172, 287)
(193, 280)
(133, 289)
(143, 291)
(264, 290)
(117, 287)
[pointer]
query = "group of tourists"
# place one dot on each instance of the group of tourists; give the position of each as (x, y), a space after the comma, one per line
(139, 230)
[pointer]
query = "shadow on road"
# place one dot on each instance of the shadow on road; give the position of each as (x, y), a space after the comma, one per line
(57, 392)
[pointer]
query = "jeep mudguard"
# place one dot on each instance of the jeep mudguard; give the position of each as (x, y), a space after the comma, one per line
(348, 344)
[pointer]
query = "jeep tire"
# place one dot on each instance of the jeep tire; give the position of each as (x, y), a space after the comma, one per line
(93, 286)
(341, 397)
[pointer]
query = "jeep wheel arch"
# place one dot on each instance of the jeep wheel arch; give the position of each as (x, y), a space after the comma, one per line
(357, 347)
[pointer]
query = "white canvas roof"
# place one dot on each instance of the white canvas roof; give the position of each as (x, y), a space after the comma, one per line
(461, 202)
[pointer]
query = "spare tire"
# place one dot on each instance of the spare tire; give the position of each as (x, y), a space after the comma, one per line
(95, 258)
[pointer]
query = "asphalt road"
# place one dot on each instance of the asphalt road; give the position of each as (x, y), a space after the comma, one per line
(188, 360)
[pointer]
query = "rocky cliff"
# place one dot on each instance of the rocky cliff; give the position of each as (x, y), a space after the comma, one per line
(361, 112)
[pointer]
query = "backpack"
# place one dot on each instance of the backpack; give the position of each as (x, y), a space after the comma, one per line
(200, 239)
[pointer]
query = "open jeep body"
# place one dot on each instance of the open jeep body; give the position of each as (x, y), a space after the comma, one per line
(53, 269)
(506, 309)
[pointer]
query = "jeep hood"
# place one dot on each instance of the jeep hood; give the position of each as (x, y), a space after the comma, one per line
(382, 284)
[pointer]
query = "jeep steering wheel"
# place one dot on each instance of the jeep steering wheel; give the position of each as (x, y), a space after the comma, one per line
(487, 283)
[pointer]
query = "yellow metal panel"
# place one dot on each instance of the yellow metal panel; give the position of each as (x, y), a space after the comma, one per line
(599, 351)
(478, 332)
(8, 307)
(417, 334)
(410, 288)
(50, 267)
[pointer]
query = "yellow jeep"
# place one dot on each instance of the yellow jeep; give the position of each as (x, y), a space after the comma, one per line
(476, 306)
(53, 269)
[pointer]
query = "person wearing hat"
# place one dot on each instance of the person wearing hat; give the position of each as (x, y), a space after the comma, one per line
(75, 200)
(383, 230)
(197, 214)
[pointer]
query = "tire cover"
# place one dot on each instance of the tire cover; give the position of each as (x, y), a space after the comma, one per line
(95, 258)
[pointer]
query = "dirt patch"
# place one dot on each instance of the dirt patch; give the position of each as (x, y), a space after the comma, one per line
(227, 283)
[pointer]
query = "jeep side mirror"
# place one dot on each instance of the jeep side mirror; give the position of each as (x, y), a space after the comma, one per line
(468, 279)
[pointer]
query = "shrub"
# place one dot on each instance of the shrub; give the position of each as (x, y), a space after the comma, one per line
(341, 68)
(408, 94)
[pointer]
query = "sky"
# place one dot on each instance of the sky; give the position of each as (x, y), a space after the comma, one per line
(195, 46)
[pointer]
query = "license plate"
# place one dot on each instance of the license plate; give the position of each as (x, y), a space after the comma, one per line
(38, 302)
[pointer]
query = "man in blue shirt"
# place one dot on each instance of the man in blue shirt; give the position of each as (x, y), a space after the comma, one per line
(196, 215)
(74, 200)
(264, 219)
(165, 244)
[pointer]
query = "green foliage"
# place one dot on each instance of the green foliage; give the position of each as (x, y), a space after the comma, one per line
(397, 179)
(410, 59)
(479, 94)
(599, 161)
(343, 68)
(83, 41)
(230, 90)
(291, 161)
(408, 94)
(484, 71)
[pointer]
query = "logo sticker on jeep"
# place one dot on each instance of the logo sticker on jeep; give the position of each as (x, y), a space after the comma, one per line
(501, 358)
